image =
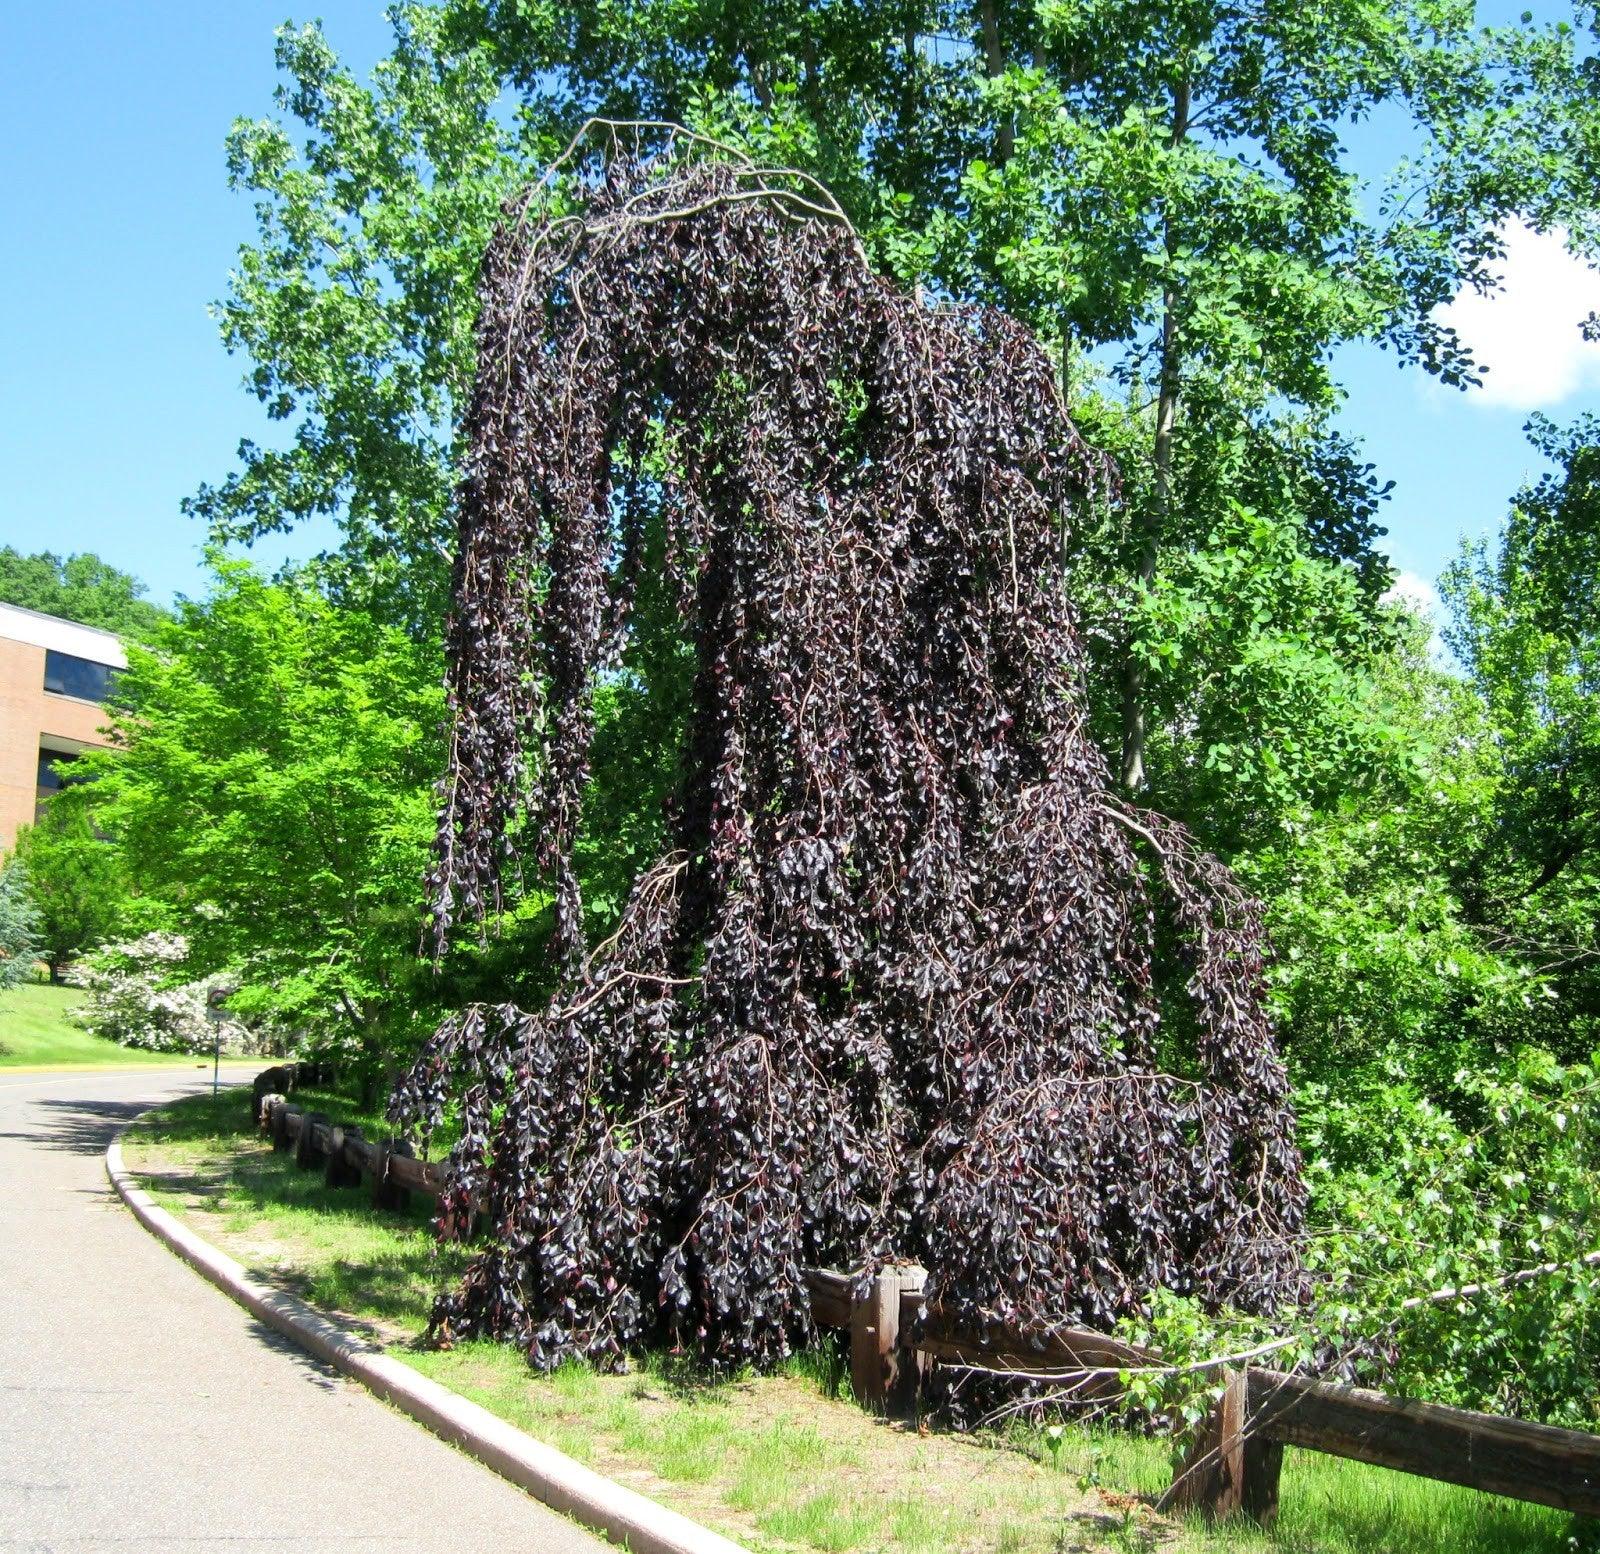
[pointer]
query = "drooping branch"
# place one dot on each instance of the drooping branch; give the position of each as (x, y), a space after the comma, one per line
(909, 980)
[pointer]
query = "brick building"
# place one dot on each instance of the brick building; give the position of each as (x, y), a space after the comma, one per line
(53, 676)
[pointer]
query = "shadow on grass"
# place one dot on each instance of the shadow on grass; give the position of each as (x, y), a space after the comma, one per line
(392, 1288)
(335, 1251)
(331, 1247)
(195, 1117)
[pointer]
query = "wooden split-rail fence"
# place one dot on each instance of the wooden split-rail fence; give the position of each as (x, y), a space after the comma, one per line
(1234, 1464)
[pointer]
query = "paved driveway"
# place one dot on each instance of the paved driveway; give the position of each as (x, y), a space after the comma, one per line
(141, 1409)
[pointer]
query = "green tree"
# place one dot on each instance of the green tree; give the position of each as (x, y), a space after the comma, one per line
(355, 305)
(1524, 629)
(273, 781)
(1164, 191)
(1380, 974)
(1165, 187)
(19, 926)
(79, 588)
(1562, 66)
(75, 878)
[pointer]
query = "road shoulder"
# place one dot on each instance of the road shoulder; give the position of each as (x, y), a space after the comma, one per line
(568, 1486)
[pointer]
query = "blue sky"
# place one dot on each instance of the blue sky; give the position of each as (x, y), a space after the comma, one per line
(116, 397)
(117, 400)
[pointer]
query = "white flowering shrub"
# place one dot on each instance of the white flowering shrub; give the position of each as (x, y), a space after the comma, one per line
(137, 996)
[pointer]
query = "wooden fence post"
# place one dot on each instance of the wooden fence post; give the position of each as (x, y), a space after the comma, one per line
(1231, 1469)
(280, 1125)
(268, 1083)
(884, 1372)
(306, 1153)
(340, 1172)
(386, 1192)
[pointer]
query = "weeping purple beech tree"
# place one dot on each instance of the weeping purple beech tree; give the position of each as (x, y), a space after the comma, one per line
(910, 981)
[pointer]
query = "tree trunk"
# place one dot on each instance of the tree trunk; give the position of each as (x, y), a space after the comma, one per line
(1154, 519)
(994, 58)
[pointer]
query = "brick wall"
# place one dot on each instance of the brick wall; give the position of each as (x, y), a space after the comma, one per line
(30, 714)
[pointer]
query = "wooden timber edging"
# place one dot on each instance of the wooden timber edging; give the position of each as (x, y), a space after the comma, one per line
(345, 1156)
(891, 1305)
(1234, 1464)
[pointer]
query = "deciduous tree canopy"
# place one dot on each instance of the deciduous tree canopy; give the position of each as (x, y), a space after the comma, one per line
(79, 588)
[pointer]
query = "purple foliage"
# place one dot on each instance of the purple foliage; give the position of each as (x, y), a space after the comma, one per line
(897, 988)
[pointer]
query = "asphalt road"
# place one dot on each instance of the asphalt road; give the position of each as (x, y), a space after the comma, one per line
(141, 1409)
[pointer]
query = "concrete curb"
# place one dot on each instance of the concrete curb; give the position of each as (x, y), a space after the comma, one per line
(621, 1514)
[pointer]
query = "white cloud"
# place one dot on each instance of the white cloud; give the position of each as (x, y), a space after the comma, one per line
(1421, 598)
(1526, 334)
(1417, 594)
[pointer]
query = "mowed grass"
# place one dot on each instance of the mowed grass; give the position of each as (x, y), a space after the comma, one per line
(36, 1033)
(786, 1462)
(198, 1157)
(1328, 1505)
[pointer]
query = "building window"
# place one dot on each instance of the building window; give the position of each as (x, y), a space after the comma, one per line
(80, 677)
(52, 773)
(55, 773)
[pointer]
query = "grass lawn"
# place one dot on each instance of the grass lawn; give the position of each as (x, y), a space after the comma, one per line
(779, 1463)
(35, 1032)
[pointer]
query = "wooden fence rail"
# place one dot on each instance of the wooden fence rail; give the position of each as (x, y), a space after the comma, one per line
(1233, 1466)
